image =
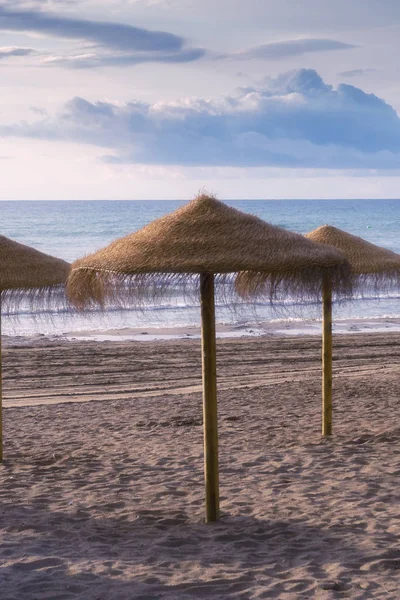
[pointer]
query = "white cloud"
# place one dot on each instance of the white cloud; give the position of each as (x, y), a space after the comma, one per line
(9, 51)
(113, 35)
(90, 60)
(285, 48)
(106, 43)
(295, 120)
(356, 73)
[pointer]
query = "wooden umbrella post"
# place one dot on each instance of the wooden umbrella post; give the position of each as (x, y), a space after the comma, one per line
(210, 420)
(1, 396)
(327, 357)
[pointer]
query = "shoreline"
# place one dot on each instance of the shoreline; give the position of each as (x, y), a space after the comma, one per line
(276, 328)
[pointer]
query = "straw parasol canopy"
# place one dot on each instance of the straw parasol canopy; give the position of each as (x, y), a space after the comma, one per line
(205, 235)
(28, 275)
(204, 241)
(370, 264)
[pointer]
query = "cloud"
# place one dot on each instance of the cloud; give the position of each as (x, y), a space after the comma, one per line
(286, 48)
(294, 120)
(299, 81)
(356, 73)
(93, 60)
(113, 44)
(29, 4)
(39, 111)
(117, 36)
(8, 51)
(118, 44)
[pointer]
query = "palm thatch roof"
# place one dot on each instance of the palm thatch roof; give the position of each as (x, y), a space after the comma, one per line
(27, 274)
(370, 264)
(203, 236)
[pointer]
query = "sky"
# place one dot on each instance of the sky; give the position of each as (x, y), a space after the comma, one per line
(157, 99)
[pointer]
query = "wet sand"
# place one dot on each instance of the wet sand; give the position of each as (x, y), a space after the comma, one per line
(101, 490)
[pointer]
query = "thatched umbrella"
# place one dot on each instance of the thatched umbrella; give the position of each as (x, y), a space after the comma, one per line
(203, 238)
(27, 275)
(371, 265)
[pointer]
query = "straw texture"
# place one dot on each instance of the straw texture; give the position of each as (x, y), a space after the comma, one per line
(370, 264)
(205, 235)
(27, 274)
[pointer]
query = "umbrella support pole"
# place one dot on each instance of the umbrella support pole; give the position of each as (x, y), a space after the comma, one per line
(1, 396)
(327, 358)
(210, 420)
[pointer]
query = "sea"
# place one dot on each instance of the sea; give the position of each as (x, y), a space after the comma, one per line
(72, 229)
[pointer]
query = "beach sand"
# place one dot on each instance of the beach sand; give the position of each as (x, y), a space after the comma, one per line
(101, 490)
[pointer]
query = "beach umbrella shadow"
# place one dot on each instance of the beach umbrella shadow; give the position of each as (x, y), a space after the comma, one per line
(76, 553)
(28, 276)
(195, 248)
(372, 267)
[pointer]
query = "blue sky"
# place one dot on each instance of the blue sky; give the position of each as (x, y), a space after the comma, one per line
(142, 99)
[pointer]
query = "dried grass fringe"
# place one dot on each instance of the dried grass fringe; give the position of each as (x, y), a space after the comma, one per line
(40, 302)
(88, 288)
(345, 288)
(384, 282)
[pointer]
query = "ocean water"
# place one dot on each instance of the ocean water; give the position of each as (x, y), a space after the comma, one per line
(72, 229)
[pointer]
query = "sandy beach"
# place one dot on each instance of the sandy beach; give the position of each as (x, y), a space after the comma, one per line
(101, 490)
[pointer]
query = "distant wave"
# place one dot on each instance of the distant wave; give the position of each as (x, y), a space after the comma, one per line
(182, 305)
